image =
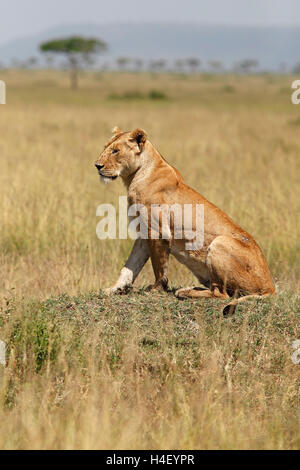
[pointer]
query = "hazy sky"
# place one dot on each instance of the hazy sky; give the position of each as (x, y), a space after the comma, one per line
(24, 17)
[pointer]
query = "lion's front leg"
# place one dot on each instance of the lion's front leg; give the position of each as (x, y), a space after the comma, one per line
(159, 253)
(135, 263)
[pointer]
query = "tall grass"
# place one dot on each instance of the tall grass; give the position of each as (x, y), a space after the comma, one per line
(143, 371)
(148, 371)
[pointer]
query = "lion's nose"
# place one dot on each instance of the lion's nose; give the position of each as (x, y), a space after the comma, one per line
(98, 166)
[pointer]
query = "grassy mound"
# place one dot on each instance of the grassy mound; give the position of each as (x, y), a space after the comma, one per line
(148, 371)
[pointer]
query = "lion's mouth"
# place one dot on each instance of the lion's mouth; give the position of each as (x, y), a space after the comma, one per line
(108, 176)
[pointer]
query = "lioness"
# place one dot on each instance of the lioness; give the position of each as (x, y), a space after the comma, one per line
(229, 263)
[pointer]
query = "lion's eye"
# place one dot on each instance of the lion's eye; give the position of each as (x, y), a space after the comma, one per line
(114, 151)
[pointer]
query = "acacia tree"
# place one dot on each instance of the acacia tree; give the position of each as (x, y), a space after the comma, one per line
(123, 63)
(77, 50)
(296, 68)
(179, 65)
(247, 66)
(215, 66)
(32, 62)
(157, 65)
(138, 64)
(193, 63)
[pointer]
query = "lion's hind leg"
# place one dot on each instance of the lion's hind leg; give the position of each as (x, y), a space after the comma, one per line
(197, 293)
(240, 269)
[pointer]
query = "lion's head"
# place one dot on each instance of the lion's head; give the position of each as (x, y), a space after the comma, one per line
(121, 155)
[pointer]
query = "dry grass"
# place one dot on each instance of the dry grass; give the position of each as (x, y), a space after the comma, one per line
(142, 371)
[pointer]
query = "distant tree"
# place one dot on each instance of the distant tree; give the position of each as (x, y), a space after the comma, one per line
(193, 64)
(161, 64)
(179, 65)
(123, 63)
(50, 59)
(23, 64)
(215, 66)
(296, 68)
(138, 64)
(77, 50)
(157, 65)
(247, 66)
(283, 67)
(32, 62)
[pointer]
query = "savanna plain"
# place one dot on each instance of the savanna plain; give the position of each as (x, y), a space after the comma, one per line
(144, 371)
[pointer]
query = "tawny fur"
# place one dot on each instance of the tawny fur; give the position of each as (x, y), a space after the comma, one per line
(230, 262)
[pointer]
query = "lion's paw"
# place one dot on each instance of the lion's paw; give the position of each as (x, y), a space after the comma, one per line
(181, 293)
(117, 290)
(109, 291)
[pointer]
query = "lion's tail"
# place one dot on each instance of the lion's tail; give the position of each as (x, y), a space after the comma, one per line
(229, 309)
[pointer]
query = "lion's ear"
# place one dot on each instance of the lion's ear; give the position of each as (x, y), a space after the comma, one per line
(116, 130)
(139, 136)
